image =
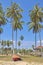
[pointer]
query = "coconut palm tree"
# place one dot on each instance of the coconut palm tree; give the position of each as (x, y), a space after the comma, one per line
(17, 25)
(2, 18)
(36, 16)
(31, 25)
(13, 12)
(40, 27)
(35, 27)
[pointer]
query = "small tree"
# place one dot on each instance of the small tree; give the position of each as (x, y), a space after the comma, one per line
(33, 47)
(19, 43)
(21, 37)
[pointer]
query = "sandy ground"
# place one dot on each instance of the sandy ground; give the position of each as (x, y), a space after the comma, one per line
(19, 63)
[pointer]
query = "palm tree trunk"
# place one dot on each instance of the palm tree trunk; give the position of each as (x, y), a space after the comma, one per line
(12, 34)
(40, 37)
(12, 40)
(16, 40)
(35, 40)
(35, 43)
(40, 40)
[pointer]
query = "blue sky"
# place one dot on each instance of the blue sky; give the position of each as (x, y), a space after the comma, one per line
(26, 5)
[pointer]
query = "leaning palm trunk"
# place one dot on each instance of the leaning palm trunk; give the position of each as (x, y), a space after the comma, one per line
(16, 40)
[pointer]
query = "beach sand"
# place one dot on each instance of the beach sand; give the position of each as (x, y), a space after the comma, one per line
(19, 63)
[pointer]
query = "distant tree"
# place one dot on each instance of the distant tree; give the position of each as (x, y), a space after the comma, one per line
(23, 51)
(19, 43)
(1, 30)
(8, 43)
(22, 38)
(30, 50)
(33, 47)
(2, 46)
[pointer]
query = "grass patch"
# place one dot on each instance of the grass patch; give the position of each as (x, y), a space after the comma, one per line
(6, 58)
(32, 59)
(24, 58)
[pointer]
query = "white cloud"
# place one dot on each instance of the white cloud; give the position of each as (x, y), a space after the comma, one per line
(39, 41)
(13, 41)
